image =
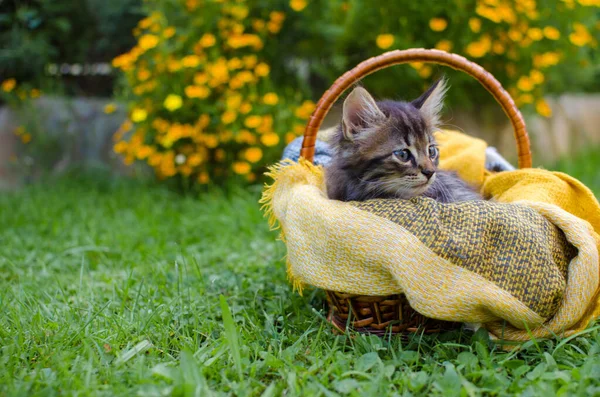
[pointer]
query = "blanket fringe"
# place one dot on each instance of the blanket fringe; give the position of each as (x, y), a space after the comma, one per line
(284, 174)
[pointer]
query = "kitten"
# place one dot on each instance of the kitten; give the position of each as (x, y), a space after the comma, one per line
(387, 150)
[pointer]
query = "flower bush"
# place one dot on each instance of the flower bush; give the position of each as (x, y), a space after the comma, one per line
(202, 104)
(215, 89)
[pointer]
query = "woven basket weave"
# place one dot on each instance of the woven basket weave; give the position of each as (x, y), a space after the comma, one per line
(392, 313)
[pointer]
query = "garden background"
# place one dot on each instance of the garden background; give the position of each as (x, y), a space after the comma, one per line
(133, 139)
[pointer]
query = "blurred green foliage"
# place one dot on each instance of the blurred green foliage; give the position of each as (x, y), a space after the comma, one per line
(35, 33)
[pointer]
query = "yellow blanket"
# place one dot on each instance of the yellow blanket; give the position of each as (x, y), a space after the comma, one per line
(375, 249)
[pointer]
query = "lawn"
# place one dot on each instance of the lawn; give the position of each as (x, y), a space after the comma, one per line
(114, 287)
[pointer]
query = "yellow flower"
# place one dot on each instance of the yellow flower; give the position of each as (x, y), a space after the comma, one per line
(234, 63)
(191, 61)
(203, 121)
(262, 69)
(270, 98)
(26, 138)
(233, 101)
(537, 77)
(241, 167)
(273, 27)
(498, 48)
(270, 139)
(425, 71)
(208, 40)
(148, 41)
(551, 33)
(438, 24)
(258, 25)
(305, 110)
(8, 85)
(211, 141)
(145, 23)
(525, 84)
(143, 74)
(200, 78)
(535, 34)
(228, 117)
(289, 137)
(144, 151)
(138, 115)
(245, 108)
(384, 41)
(515, 35)
(479, 48)
(173, 65)
(203, 178)
(169, 32)
(249, 61)
(253, 154)
(173, 102)
(475, 24)
(298, 5)
(253, 121)
(546, 59)
(220, 155)
(444, 45)
(194, 91)
(526, 98)
(35, 93)
(580, 36)
(110, 108)
(120, 147)
(195, 159)
(542, 107)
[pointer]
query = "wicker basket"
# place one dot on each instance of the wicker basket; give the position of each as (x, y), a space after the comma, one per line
(384, 314)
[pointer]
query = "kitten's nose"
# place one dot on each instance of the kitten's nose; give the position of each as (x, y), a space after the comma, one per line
(428, 173)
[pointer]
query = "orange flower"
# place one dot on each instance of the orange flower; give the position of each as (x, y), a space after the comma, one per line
(207, 40)
(270, 98)
(384, 41)
(475, 24)
(551, 33)
(169, 32)
(228, 117)
(253, 121)
(438, 24)
(298, 5)
(444, 45)
(262, 69)
(110, 108)
(191, 61)
(270, 139)
(241, 167)
(253, 154)
(525, 84)
(543, 108)
(194, 91)
(8, 85)
(148, 41)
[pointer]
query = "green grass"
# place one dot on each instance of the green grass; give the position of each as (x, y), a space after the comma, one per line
(123, 288)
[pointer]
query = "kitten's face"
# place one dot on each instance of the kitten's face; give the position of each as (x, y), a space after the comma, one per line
(389, 145)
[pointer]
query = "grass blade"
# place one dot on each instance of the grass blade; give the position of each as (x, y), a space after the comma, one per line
(231, 335)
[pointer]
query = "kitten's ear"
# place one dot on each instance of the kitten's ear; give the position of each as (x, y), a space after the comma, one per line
(359, 112)
(431, 102)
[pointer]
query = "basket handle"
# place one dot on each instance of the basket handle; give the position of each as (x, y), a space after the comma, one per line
(395, 57)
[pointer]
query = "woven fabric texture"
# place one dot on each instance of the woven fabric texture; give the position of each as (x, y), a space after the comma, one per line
(524, 264)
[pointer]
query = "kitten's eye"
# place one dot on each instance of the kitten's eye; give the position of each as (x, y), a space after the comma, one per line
(433, 152)
(403, 155)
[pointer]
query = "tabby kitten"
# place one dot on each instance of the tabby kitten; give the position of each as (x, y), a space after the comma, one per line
(387, 150)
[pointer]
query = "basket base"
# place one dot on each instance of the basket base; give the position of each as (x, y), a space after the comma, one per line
(380, 315)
